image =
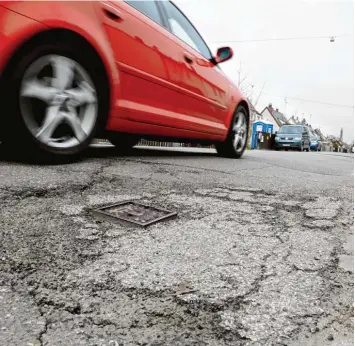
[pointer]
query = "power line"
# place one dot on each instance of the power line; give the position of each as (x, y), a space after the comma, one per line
(283, 39)
(314, 101)
(306, 100)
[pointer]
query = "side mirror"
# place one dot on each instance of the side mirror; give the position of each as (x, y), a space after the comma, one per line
(223, 54)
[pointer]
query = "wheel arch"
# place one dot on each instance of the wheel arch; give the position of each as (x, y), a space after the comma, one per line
(245, 104)
(242, 102)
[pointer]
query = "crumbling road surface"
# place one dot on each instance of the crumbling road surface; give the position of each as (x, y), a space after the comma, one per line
(260, 253)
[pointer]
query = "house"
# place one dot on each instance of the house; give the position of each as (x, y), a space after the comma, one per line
(254, 114)
(274, 116)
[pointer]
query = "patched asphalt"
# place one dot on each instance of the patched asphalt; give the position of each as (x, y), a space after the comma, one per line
(261, 252)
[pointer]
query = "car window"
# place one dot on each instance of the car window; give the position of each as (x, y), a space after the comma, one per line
(181, 33)
(148, 8)
(184, 30)
(290, 129)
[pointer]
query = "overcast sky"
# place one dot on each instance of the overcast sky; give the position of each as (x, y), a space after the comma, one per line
(313, 69)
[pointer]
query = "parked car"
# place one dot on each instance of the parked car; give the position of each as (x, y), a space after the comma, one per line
(315, 143)
(293, 137)
(123, 70)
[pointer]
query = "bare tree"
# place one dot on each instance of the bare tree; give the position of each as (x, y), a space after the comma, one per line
(241, 79)
(248, 91)
(255, 103)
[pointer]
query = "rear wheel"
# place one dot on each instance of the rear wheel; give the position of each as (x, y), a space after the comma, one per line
(54, 102)
(236, 141)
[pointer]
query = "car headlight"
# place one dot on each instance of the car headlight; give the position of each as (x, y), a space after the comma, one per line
(298, 138)
(277, 138)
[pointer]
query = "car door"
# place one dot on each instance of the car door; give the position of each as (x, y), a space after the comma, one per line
(201, 78)
(133, 29)
(144, 53)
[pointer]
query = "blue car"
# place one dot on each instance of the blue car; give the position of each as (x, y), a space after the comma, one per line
(315, 144)
(293, 137)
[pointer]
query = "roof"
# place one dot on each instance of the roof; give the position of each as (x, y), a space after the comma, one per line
(278, 116)
(319, 133)
(252, 108)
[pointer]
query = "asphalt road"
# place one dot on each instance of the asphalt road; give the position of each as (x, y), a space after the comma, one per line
(261, 252)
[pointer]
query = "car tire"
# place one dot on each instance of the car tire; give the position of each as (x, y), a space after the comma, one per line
(122, 141)
(308, 149)
(301, 148)
(59, 119)
(237, 138)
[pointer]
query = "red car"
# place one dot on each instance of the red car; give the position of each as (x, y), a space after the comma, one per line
(123, 70)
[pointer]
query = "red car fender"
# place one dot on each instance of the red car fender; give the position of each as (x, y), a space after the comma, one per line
(79, 17)
(236, 100)
(15, 30)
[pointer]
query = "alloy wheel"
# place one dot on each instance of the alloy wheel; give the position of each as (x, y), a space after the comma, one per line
(239, 132)
(58, 102)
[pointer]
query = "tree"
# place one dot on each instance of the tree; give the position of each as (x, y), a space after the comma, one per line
(248, 91)
(257, 97)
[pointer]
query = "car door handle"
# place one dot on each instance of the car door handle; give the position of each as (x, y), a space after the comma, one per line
(111, 12)
(188, 58)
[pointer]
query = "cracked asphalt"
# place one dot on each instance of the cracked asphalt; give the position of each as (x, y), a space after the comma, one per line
(261, 252)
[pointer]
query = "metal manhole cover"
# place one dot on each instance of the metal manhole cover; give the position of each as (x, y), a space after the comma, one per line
(133, 212)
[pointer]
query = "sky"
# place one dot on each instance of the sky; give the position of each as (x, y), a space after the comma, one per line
(307, 69)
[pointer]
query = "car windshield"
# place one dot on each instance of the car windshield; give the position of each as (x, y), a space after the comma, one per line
(291, 129)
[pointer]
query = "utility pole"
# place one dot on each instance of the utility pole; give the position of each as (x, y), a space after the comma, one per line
(239, 72)
(252, 94)
(286, 105)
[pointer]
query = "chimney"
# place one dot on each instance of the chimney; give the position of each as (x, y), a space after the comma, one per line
(270, 105)
(277, 109)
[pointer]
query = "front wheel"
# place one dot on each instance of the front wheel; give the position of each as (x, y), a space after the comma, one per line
(236, 141)
(54, 102)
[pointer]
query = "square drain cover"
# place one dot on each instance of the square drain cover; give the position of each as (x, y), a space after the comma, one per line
(133, 212)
